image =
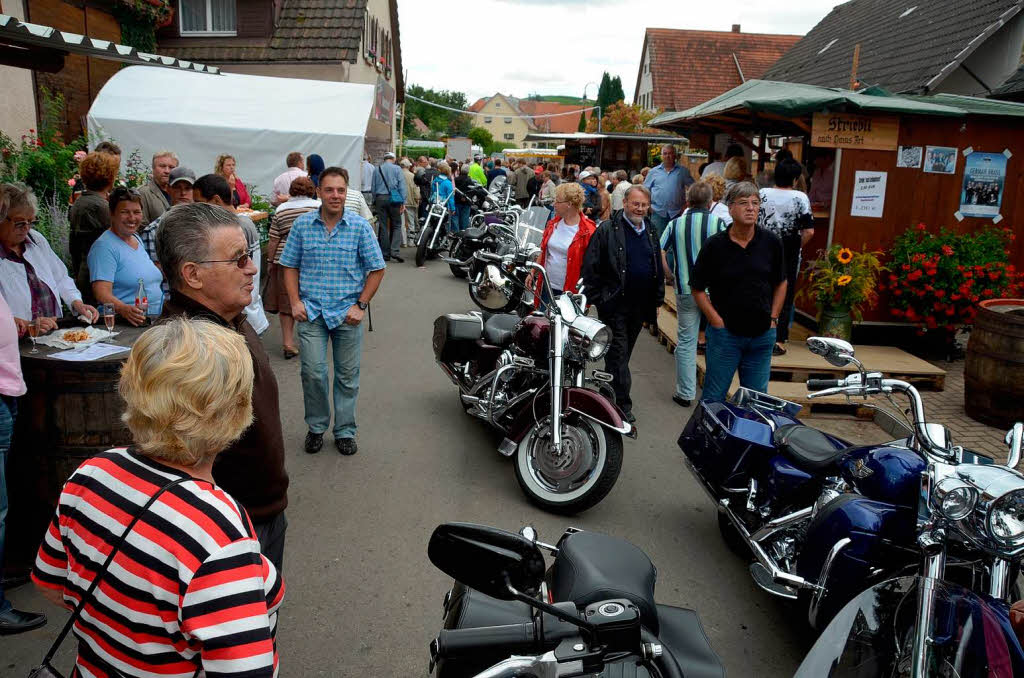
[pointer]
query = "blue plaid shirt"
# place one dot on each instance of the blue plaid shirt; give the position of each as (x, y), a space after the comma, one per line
(332, 266)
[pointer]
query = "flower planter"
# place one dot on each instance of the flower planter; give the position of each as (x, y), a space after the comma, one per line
(994, 371)
(835, 321)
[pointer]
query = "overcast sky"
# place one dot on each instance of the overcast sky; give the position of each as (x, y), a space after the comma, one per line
(521, 47)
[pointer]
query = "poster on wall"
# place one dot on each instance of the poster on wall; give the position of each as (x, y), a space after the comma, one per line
(909, 156)
(940, 160)
(868, 194)
(984, 179)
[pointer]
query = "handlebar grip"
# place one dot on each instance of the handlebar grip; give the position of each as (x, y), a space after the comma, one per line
(512, 637)
(819, 384)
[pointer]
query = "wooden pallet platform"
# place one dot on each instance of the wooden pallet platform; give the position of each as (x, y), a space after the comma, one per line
(670, 298)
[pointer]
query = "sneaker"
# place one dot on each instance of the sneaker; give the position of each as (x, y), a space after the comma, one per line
(17, 621)
(630, 417)
(346, 446)
(395, 257)
(314, 441)
(681, 401)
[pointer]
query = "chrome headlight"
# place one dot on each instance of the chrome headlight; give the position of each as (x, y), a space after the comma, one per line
(1006, 518)
(954, 498)
(593, 335)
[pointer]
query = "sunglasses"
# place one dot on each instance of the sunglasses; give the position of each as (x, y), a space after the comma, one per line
(241, 261)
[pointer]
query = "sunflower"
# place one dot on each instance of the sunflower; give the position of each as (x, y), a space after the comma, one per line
(844, 280)
(845, 256)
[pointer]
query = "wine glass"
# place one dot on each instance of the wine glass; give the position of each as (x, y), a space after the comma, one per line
(108, 316)
(34, 329)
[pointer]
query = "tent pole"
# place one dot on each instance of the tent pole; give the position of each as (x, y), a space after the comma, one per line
(401, 130)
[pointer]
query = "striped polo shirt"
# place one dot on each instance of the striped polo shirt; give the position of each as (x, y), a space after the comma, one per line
(188, 588)
(682, 240)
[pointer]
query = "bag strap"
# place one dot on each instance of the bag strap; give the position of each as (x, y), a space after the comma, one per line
(103, 570)
(384, 178)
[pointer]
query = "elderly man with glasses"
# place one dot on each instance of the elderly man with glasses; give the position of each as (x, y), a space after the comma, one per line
(743, 269)
(208, 262)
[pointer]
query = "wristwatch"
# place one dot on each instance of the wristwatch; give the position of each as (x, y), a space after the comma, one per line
(362, 305)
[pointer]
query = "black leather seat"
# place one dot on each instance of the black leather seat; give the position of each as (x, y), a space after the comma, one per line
(591, 567)
(472, 233)
(807, 447)
(683, 635)
(499, 328)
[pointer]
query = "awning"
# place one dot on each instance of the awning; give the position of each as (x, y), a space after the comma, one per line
(772, 106)
(43, 48)
(615, 136)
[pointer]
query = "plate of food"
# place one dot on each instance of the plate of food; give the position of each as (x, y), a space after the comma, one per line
(75, 337)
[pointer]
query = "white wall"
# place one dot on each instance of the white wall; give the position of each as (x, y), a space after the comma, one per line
(18, 104)
(646, 81)
(993, 62)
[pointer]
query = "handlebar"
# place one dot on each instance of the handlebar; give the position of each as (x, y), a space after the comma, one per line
(818, 384)
(512, 637)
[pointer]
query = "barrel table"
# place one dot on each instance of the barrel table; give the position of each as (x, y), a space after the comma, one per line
(994, 369)
(71, 412)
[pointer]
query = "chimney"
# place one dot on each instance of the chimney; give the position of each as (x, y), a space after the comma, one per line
(735, 28)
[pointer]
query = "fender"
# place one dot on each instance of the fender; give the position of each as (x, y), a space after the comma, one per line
(581, 401)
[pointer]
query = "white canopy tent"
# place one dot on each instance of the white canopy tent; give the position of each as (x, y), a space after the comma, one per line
(258, 120)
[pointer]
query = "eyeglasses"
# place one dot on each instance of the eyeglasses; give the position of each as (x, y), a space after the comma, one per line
(748, 203)
(241, 261)
(24, 224)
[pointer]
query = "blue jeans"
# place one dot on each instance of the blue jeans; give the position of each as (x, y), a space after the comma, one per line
(686, 346)
(461, 222)
(346, 346)
(660, 222)
(728, 352)
(8, 410)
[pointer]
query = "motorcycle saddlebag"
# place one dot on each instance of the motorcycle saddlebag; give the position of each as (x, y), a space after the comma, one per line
(455, 336)
(467, 608)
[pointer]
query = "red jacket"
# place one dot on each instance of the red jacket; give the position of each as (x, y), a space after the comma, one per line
(574, 258)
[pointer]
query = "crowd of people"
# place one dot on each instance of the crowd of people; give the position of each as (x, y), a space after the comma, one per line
(212, 501)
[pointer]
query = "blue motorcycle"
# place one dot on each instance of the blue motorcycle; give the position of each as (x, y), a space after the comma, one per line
(823, 519)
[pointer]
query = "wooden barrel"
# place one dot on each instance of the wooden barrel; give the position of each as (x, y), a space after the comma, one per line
(994, 373)
(71, 412)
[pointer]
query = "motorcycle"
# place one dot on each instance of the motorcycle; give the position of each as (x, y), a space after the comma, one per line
(527, 378)
(434, 234)
(936, 623)
(822, 518)
(592, 613)
(490, 229)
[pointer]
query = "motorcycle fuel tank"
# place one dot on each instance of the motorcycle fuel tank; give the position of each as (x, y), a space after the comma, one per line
(532, 337)
(887, 473)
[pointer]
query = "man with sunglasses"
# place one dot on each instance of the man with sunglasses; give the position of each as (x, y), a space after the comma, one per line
(333, 267)
(207, 259)
(215, 190)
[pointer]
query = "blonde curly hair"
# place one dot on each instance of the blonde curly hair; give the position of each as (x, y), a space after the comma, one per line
(571, 193)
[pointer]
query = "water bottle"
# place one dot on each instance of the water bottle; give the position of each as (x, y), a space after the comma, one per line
(141, 298)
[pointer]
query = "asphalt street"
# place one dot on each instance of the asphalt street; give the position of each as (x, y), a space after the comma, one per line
(362, 598)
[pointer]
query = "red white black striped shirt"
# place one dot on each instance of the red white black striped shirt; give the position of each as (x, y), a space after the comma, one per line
(187, 589)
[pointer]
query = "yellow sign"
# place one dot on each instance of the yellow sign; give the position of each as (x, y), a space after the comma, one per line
(849, 130)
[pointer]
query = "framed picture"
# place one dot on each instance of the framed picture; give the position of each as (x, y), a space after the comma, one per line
(940, 160)
(909, 156)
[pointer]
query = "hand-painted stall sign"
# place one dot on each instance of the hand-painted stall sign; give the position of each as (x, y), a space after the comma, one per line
(847, 130)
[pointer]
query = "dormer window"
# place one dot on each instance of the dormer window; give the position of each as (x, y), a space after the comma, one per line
(207, 17)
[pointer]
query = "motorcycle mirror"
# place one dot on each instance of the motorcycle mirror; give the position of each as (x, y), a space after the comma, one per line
(487, 559)
(836, 351)
(1014, 438)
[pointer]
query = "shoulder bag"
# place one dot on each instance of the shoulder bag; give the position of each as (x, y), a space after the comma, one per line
(395, 194)
(46, 670)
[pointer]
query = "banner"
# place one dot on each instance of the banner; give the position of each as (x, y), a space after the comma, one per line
(984, 179)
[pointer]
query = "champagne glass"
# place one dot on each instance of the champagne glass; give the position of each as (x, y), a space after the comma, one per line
(34, 329)
(108, 316)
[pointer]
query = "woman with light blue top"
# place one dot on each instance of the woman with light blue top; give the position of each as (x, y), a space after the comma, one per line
(118, 261)
(443, 187)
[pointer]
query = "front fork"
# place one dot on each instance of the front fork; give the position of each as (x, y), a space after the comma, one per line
(555, 362)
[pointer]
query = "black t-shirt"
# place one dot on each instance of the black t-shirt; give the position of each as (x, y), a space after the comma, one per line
(741, 281)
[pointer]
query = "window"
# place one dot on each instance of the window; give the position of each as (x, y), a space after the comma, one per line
(510, 137)
(487, 120)
(508, 121)
(208, 17)
(497, 104)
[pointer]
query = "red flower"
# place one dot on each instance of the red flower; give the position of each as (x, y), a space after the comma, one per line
(895, 312)
(906, 267)
(929, 288)
(916, 275)
(947, 250)
(931, 322)
(955, 297)
(921, 227)
(940, 293)
(950, 311)
(993, 275)
(896, 292)
(32, 131)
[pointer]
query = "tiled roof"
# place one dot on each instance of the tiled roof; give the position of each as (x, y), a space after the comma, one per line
(558, 124)
(905, 45)
(690, 67)
(1013, 88)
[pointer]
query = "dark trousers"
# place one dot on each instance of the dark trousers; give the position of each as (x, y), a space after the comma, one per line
(791, 248)
(389, 225)
(271, 536)
(625, 325)
(8, 411)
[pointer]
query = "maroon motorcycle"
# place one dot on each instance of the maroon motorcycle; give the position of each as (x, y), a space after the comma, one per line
(527, 377)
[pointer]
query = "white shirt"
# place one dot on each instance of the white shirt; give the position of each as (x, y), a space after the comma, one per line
(254, 311)
(50, 270)
(784, 211)
(717, 167)
(619, 194)
(721, 210)
(283, 182)
(299, 202)
(368, 170)
(556, 259)
(355, 202)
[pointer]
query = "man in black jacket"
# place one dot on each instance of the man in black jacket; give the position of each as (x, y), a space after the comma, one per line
(623, 276)
(425, 180)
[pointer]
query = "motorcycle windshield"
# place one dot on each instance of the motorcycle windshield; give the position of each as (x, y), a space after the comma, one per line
(873, 636)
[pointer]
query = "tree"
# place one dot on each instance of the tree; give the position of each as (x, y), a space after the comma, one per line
(609, 92)
(437, 119)
(583, 122)
(615, 92)
(623, 118)
(481, 137)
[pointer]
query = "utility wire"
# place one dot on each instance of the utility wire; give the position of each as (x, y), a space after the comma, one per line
(520, 117)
